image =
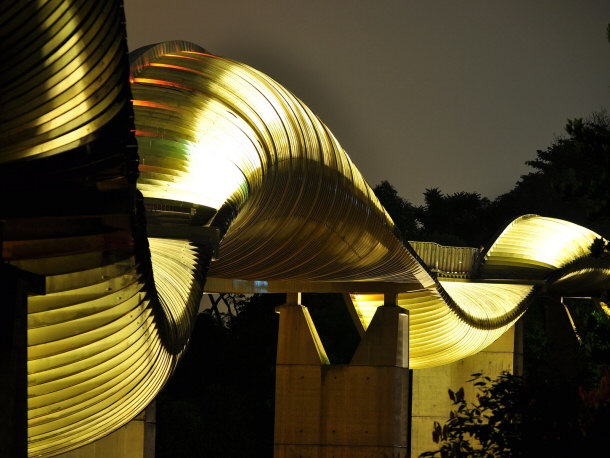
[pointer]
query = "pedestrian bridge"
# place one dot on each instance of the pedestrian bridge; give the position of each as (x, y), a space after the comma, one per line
(133, 186)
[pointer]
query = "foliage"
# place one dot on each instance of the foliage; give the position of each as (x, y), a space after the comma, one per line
(571, 180)
(223, 388)
(561, 406)
(579, 165)
(457, 219)
(594, 417)
(402, 212)
(599, 247)
(488, 428)
(594, 350)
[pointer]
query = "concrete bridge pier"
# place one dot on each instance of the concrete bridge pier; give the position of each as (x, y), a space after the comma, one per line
(357, 410)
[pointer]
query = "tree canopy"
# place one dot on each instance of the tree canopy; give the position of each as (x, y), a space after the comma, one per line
(570, 180)
(401, 210)
(578, 166)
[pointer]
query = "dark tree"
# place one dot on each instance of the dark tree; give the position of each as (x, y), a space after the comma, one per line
(220, 400)
(401, 210)
(517, 417)
(459, 219)
(578, 166)
(490, 427)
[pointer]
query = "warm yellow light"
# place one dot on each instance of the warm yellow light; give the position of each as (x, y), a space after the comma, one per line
(486, 301)
(533, 244)
(210, 132)
(437, 335)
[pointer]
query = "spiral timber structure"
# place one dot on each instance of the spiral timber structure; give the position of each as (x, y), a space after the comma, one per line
(131, 184)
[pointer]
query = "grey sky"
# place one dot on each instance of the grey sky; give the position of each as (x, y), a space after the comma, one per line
(449, 94)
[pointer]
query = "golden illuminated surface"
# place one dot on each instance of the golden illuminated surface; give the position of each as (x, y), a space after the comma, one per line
(63, 84)
(223, 149)
(215, 132)
(532, 246)
(436, 334)
(461, 317)
(442, 331)
(98, 346)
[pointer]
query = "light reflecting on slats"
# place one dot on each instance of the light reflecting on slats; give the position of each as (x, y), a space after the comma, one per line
(437, 335)
(458, 318)
(532, 246)
(220, 145)
(95, 353)
(488, 305)
(88, 359)
(63, 73)
(215, 132)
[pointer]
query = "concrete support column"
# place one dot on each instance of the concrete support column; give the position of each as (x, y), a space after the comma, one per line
(15, 286)
(13, 358)
(430, 401)
(355, 410)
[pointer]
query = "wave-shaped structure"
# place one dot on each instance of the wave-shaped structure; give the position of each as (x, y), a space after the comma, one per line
(244, 146)
(122, 243)
(99, 342)
(461, 316)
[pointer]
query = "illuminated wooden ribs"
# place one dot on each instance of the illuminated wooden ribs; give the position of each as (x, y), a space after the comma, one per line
(100, 341)
(216, 133)
(224, 152)
(301, 211)
(465, 313)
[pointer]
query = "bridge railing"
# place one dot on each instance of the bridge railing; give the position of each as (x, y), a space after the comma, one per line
(447, 260)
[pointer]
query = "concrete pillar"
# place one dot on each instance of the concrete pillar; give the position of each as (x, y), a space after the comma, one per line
(15, 286)
(562, 342)
(13, 358)
(355, 410)
(430, 401)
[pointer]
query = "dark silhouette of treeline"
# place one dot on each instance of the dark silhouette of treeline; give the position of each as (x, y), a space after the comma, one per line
(570, 180)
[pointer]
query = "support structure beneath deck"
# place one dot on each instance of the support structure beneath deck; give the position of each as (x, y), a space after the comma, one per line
(355, 410)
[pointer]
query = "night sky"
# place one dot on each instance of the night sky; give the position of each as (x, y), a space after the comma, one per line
(449, 94)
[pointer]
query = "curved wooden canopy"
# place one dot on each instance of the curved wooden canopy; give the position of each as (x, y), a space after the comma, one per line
(122, 244)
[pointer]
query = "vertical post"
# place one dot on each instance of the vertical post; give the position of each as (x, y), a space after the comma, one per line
(150, 429)
(518, 348)
(298, 386)
(354, 410)
(13, 383)
(562, 343)
(383, 356)
(15, 284)
(410, 415)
